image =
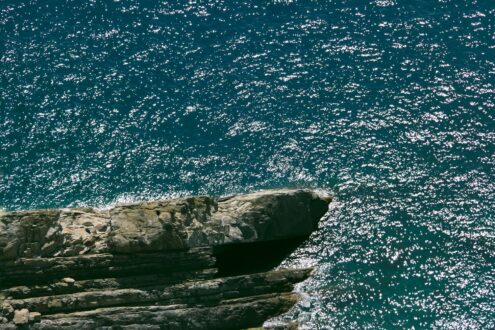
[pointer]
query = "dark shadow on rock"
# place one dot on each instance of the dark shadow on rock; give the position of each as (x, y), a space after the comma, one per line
(248, 258)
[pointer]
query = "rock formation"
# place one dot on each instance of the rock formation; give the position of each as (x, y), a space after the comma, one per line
(186, 263)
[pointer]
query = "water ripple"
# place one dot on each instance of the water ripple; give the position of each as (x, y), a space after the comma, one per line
(387, 104)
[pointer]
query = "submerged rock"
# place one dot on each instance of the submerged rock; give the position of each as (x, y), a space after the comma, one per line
(186, 263)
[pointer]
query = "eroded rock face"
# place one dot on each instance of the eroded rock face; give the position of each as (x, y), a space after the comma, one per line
(151, 263)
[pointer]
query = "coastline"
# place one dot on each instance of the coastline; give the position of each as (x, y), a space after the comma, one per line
(196, 262)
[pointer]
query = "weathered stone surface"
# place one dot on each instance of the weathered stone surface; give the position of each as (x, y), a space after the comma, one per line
(21, 316)
(7, 310)
(193, 292)
(34, 317)
(159, 226)
(40, 270)
(230, 314)
(152, 264)
(111, 283)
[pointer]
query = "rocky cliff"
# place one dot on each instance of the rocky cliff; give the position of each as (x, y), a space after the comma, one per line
(187, 263)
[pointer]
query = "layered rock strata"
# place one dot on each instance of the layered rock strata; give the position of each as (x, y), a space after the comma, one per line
(186, 263)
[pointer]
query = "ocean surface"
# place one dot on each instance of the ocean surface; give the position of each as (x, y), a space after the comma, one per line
(388, 105)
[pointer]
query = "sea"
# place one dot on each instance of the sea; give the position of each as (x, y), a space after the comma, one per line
(387, 105)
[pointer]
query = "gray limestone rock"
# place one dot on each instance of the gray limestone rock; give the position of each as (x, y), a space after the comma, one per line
(190, 263)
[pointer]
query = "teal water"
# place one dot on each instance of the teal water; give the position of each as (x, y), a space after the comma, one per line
(389, 105)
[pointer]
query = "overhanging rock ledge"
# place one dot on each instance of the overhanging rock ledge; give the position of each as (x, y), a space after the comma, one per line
(185, 263)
